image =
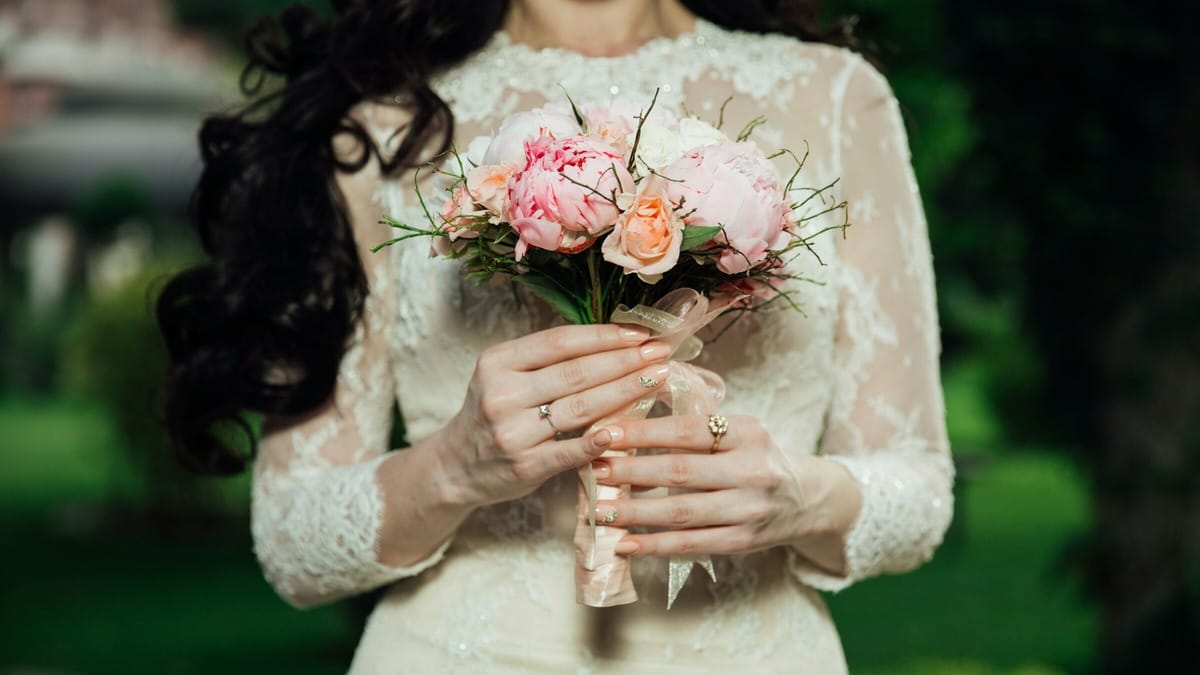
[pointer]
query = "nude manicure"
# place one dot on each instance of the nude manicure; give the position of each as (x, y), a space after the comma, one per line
(625, 547)
(657, 350)
(634, 334)
(601, 469)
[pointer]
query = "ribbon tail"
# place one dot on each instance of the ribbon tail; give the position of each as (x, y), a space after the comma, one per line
(588, 477)
(679, 571)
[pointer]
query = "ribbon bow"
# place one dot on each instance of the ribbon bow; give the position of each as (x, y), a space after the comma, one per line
(602, 578)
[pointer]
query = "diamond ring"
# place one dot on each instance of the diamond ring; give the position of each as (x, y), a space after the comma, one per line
(717, 426)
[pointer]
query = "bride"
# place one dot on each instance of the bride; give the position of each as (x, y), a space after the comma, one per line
(834, 466)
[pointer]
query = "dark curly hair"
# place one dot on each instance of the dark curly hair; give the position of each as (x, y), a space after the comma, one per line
(283, 285)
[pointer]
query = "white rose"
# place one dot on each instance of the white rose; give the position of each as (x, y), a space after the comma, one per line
(508, 145)
(695, 133)
(657, 147)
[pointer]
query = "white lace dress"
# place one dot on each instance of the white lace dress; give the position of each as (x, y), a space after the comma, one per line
(854, 378)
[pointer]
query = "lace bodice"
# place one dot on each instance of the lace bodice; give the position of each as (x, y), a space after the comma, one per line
(854, 377)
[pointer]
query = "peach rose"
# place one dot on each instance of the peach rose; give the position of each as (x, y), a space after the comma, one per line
(488, 185)
(647, 238)
(458, 215)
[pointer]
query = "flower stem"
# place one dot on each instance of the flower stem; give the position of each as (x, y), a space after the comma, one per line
(597, 291)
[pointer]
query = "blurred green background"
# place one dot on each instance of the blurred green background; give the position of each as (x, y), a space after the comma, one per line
(1056, 145)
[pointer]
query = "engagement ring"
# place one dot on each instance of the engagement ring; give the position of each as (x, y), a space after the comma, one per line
(717, 425)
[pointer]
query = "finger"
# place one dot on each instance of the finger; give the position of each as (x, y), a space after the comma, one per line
(580, 410)
(554, 457)
(694, 471)
(692, 510)
(553, 345)
(682, 432)
(720, 540)
(575, 375)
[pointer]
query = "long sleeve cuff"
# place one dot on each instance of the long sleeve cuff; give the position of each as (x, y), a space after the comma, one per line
(316, 534)
(906, 507)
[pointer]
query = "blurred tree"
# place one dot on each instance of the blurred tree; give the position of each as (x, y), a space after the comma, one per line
(114, 356)
(1087, 149)
(229, 18)
(110, 202)
(1057, 146)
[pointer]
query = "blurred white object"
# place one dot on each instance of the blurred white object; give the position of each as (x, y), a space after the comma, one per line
(120, 261)
(51, 247)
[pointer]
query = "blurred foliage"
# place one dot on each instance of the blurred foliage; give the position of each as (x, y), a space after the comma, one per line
(111, 201)
(114, 356)
(229, 18)
(1057, 145)
(30, 344)
(32, 339)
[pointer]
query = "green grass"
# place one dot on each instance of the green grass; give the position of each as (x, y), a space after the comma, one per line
(88, 589)
(84, 595)
(993, 593)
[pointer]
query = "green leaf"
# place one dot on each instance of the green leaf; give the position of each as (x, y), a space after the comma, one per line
(575, 109)
(546, 289)
(695, 236)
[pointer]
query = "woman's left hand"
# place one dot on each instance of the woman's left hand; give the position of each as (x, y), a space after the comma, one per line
(749, 495)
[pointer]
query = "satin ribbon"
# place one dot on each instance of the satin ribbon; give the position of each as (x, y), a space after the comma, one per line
(603, 578)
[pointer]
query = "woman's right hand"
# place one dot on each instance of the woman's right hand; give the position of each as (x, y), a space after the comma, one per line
(498, 447)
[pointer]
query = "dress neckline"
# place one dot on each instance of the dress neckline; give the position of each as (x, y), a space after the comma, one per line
(702, 30)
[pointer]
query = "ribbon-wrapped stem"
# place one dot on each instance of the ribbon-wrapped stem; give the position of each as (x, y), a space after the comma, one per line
(603, 578)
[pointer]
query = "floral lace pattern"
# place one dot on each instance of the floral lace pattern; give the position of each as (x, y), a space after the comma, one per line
(854, 377)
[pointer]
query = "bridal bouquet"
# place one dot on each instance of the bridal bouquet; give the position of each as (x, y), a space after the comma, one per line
(610, 213)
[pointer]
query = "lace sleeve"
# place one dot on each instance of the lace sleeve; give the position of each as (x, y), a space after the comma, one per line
(317, 507)
(886, 424)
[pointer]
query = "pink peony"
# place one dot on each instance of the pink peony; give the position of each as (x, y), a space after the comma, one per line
(562, 198)
(734, 186)
(508, 145)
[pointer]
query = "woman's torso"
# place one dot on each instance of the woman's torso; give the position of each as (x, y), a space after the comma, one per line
(503, 598)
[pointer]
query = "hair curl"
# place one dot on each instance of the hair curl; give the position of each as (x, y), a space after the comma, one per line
(283, 285)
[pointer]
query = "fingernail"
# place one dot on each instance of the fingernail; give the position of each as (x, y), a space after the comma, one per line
(657, 350)
(615, 434)
(601, 469)
(625, 547)
(634, 334)
(606, 515)
(602, 438)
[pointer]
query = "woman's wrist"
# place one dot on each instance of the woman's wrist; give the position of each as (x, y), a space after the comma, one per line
(449, 475)
(835, 504)
(423, 505)
(453, 477)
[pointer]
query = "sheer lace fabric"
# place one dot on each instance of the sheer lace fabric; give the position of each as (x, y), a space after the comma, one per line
(855, 378)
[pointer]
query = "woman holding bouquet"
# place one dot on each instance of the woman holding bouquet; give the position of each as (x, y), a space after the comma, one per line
(828, 462)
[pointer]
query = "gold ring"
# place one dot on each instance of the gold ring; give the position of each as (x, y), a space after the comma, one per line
(717, 425)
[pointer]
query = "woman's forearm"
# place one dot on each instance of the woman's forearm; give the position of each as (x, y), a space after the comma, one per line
(422, 507)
